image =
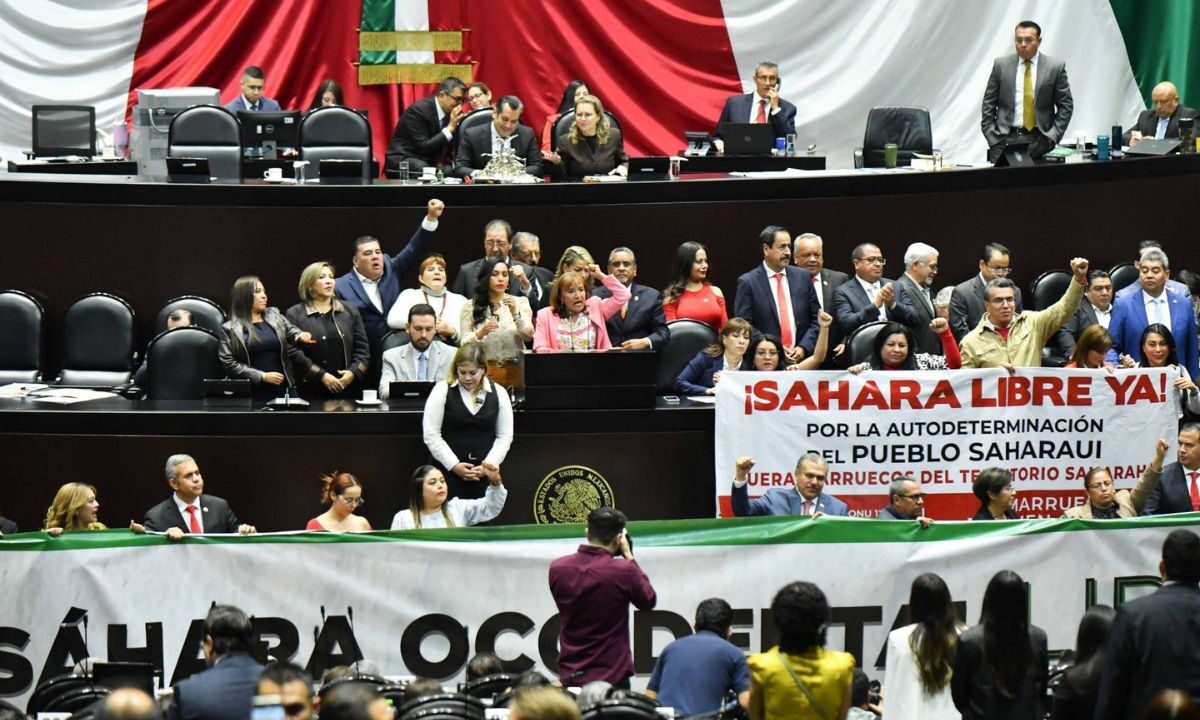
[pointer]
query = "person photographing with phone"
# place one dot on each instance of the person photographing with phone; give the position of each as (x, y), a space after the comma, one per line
(593, 588)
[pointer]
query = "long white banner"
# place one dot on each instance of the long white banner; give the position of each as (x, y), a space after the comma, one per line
(1048, 426)
(421, 603)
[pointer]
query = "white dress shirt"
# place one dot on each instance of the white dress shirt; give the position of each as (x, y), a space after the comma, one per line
(1019, 91)
(756, 104)
(787, 298)
(371, 287)
(872, 289)
(819, 289)
(1157, 309)
(462, 512)
(435, 411)
(187, 521)
(1103, 317)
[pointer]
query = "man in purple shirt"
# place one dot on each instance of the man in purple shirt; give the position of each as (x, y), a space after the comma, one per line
(593, 589)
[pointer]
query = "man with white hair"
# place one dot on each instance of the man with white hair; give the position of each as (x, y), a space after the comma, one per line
(808, 253)
(920, 268)
(1132, 314)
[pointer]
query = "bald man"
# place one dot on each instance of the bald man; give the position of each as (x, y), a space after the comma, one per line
(128, 704)
(1162, 119)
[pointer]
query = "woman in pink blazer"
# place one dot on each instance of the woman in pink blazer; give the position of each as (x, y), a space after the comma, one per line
(574, 320)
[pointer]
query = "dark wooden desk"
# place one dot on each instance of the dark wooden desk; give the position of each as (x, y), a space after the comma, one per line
(84, 167)
(750, 163)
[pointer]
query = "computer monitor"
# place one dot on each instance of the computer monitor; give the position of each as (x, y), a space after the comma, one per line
(263, 133)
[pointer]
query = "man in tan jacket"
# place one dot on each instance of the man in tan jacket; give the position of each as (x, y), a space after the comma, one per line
(1105, 502)
(1008, 339)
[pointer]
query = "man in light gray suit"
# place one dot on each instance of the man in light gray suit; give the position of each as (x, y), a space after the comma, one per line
(920, 267)
(423, 358)
(1025, 78)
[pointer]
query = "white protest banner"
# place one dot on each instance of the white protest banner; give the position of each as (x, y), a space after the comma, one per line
(423, 602)
(1048, 426)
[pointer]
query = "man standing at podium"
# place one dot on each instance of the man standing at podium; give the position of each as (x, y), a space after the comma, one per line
(251, 97)
(1028, 97)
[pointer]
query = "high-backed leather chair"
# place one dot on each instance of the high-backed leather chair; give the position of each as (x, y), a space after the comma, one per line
(205, 313)
(443, 705)
(475, 118)
(562, 126)
(860, 343)
(908, 127)
(1049, 288)
(1123, 275)
(21, 317)
(98, 333)
(178, 362)
(673, 357)
(209, 132)
(335, 133)
(394, 339)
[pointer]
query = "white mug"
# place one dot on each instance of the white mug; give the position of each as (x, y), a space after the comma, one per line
(273, 174)
(370, 396)
(428, 172)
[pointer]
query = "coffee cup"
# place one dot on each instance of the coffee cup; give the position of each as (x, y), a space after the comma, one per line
(370, 396)
(274, 174)
(428, 172)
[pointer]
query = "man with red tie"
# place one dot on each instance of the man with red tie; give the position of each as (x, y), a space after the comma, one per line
(761, 106)
(189, 510)
(778, 298)
(1178, 490)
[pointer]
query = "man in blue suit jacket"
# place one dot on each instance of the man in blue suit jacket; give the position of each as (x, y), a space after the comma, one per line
(225, 690)
(373, 284)
(1173, 493)
(251, 96)
(805, 499)
(641, 324)
(758, 293)
(764, 104)
(1131, 314)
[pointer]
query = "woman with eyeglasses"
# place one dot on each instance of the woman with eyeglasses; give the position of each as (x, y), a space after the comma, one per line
(892, 350)
(342, 492)
(766, 353)
(429, 508)
(432, 291)
(479, 96)
(1106, 502)
(993, 487)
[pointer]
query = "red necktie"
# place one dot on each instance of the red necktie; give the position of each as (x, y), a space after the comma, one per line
(1195, 492)
(762, 112)
(785, 318)
(193, 523)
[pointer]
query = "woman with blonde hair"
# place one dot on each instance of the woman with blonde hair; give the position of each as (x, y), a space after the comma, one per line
(340, 356)
(593, 146)
(74, 508)
(342, 492)
(429, 508)
(1093, 344)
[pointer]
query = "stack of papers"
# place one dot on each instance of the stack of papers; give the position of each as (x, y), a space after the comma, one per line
(19, 390)
(70, 396)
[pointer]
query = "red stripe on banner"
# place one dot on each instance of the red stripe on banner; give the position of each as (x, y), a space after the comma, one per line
(954, 506)
(661, 67)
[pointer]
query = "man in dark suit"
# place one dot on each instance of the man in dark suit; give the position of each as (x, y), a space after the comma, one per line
(868, 296)
(425, 132)
(641, 324)
(1162, 119)
(251, 96)
(497, 243)
(527, 248)
(373, 283)
(808, 253)
(1178, 485)
(1096, 309)
(1028, 97)
(1134, 313)
(968, 303)
(920, 268)
(189, 510)
(505, 130)
(805, 499)
(761, 106)
(777, 298)
(1155, 640)
(225, 690)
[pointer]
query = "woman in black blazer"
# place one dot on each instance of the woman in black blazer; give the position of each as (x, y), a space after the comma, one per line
(592, 147)
(341, 352)
(1076, 690)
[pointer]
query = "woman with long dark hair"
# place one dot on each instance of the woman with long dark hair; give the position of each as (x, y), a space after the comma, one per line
(500, 322)
(800, 677)
(329, 92)
(429, 508)
(689, 294)
(920, 656)
(892, 350)
(1075, 694)
(1159, 351)
(573, 93)
(260, 344)
(1000, 664)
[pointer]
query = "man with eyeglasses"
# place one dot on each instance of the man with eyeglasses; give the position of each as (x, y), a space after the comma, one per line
(497, 243)
(1010, 339)
(425, 134)
(868, 296)
(1106, 502)
(907, 502)
(761, 106)
(1028, 97)
(920, 268)
(809, 253)
(968, 304)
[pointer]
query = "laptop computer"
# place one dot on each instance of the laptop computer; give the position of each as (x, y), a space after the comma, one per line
(188, 170)
(409, 392)
(749, 138)
(1016, 154)
(1151, 146)
(223, 388)
(649, 168)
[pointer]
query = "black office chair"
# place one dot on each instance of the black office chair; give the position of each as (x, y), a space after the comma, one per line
(78, 700)
(442, 705)
(335, 133)
(21, 317)
(488, 686)
(1049, 288)
(907, 127)
(1122, 275)
(209, 132)
(205, 313)
(97, 342)
(860, 343)
(395, 339)
(693, 336)
(563, 125)
(178, 362)
(475, 118)
(52, 690)
(623, 705)
(63, 130)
